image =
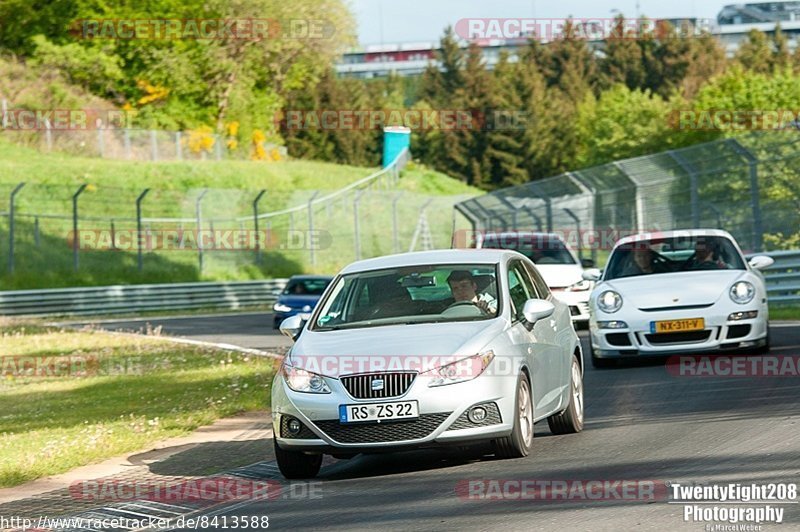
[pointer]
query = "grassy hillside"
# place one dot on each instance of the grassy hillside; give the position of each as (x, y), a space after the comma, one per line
(44, 257)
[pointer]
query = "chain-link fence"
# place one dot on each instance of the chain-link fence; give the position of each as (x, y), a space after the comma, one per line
(64, 235)
(749, 186)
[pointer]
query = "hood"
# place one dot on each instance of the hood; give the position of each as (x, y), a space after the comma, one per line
(298, 301)
(560, 275)
(661, 290)
(394, 347)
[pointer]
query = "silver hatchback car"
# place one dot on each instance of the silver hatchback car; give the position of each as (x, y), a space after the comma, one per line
(451, 347)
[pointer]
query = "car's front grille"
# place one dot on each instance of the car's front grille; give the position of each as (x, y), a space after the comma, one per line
(378, 385)
(693, 337)
(492, 418)
(618, 339)
(738, 331)
(680, 307)
(382, 432)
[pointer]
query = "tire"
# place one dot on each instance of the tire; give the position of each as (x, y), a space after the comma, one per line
(520, 442)
(570, 420)
(600, 363)
(297, 465)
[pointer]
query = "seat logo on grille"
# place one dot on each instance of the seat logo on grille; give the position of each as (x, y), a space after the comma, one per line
(377, 385)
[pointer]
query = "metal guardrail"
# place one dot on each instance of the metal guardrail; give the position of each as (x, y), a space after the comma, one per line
(139, 298)
(783, 277)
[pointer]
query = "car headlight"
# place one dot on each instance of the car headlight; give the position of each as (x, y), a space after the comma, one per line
(462, 370)
(304, 381)
(581, 286)
(609, 302)
(742, 292)
(280, 307)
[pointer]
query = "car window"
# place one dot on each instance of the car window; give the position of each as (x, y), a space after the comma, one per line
(542, 289)
(540, 248)
(410, 295)
(519, 288)
(306, 287)
(675, 254)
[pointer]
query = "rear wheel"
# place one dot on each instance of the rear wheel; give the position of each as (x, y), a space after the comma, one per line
(297, 465)
(570, 420)
(519, 443)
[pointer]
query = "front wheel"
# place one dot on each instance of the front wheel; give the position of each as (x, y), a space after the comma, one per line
(297, 465)
(519, 443)
(570, 420)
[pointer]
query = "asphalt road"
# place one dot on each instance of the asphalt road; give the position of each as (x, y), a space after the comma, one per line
(643, 424)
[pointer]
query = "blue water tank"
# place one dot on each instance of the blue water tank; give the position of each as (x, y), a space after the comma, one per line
(395, 140)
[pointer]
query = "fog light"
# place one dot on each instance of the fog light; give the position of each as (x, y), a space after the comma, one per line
(477, 415)
(294, 426)
(736, 316)
(612, 324)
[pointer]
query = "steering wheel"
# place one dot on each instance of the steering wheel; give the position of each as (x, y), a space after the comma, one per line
(461, 304)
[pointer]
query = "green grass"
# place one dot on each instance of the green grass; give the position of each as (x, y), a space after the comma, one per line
(114, 395)
(53, 178)
(784, 313)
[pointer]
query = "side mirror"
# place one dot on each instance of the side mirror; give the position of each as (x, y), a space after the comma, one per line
(277, 292)
(587, 263)
(592, 274)
(292, 326)
(761, 262)
(537, 309)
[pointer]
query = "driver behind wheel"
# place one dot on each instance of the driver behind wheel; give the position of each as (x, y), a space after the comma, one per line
(464, 288)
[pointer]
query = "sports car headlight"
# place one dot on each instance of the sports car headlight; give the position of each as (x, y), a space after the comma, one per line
(462, 370)
(581, 286)
(304, 381)
(609, 302)
(742, 292)
(280, 307)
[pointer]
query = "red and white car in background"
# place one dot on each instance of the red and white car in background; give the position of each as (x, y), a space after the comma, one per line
(559, 265)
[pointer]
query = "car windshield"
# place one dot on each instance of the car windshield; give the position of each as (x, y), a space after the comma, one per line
(541, 249)
(669, 255)
(410, 295)
(307, 287)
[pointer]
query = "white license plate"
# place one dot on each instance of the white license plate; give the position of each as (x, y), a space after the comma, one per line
(378, 412)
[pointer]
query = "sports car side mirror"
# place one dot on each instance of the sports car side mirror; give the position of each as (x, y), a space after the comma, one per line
(292, 326)
(761, 262)
(592, 274)
(587, 263)
(537, 309)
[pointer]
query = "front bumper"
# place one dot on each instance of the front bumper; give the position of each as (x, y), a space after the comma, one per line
(637, 340)
(442, 417)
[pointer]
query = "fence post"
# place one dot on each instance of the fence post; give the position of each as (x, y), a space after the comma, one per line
(11, 226)
(101, 142)
(36, 231)
(113, 235)
(139, 242)
(126, 140)
(694, 197)
(75, 238)
(178, 149)
(48, 135)
(255, 225)
(4, 109)
(356, 234)
(577, 221)
(153, 145)
(199, 239)
(395, 236)
(310, 238)
(217, 147)
(755, 194)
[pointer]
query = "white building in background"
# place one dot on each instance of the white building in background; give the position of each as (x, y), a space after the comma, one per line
(733, 24)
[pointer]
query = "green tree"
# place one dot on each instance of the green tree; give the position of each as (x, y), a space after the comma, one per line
(756, 52)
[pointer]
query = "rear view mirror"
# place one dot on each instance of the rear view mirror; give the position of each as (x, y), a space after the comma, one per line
(592, 274)
(537, 309)
(292, 326)
(761, 262)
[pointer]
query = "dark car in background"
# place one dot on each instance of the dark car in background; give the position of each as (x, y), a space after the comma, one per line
(299, 296)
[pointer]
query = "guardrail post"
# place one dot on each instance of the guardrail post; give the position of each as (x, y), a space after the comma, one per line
(255, 225)
(199, 239)
(310, 238)
(395, 237)
(356, 233)
(11, 226)
(139, 239)
(75, 236)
